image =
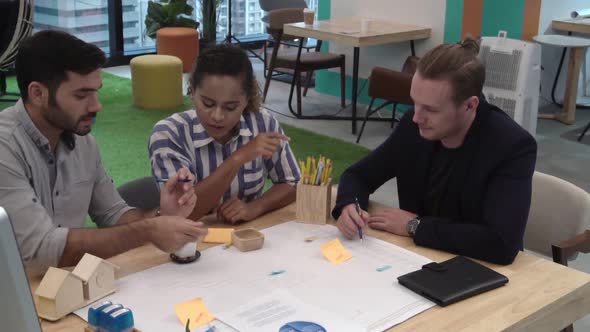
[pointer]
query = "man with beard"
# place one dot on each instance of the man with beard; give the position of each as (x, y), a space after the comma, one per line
(51, 175)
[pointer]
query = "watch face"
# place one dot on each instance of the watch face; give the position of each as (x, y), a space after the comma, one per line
(410, 227)
(413, 225)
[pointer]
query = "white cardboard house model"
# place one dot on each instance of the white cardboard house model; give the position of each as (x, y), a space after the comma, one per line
(97, 275)
(61, 291)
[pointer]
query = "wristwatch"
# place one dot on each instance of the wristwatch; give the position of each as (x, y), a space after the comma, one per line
(412, 226)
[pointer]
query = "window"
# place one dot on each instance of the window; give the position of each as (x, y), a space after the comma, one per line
(87, 20)
(135, 39)
(246, 16)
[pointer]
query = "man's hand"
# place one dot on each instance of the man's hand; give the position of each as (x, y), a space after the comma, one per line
(349, 221)
(264, 145)
(177, 197)
(235, 210)
(170, 233)
(392, 220)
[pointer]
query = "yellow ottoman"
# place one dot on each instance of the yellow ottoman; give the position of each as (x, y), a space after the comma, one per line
(156, 81)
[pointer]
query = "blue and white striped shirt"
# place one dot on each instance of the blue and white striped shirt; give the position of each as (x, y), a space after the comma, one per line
(181, 141)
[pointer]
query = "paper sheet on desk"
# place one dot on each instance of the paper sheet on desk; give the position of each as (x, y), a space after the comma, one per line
(271, 312)
(226, 278)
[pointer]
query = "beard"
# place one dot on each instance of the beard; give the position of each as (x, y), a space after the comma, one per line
(59, 118)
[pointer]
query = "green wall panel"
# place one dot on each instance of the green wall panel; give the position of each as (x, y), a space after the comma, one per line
(502, 15)
(453, 21)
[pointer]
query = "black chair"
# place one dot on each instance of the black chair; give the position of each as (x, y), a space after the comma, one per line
(300, 62)
(141, 193)
(16, 23)
(268, 5)
(310, 44)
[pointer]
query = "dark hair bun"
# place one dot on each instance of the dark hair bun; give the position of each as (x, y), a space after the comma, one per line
(471, 44)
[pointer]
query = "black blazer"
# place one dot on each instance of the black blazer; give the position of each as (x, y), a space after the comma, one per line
(485, 210)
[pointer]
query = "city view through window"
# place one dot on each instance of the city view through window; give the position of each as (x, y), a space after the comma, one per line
(88, 20)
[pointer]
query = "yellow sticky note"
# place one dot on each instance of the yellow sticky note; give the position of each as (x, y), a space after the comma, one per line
(335, 252)
(219, 235)
(196, 311)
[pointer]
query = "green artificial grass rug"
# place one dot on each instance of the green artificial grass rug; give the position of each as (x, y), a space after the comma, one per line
(122, 131)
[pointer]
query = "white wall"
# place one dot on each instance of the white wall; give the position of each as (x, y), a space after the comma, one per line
(552, 9)
(430, 13)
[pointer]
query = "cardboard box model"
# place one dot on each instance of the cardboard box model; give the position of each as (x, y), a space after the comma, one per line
(61, 291)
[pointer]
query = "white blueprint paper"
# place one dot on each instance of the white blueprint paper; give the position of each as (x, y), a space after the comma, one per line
(227, 278)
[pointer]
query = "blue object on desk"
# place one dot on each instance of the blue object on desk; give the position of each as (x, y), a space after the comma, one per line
(300, 326)
(211, 328)
(103, 315)
(119, 321)
(276, 272)
(93, 313)
(383, 268)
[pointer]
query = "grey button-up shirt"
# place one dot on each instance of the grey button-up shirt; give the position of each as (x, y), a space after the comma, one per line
(46, 194)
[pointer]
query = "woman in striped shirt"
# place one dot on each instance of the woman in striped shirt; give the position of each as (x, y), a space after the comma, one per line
(228, 142)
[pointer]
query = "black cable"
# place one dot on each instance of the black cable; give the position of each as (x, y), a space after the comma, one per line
(557, 78)
(308, 117)
(279, 113)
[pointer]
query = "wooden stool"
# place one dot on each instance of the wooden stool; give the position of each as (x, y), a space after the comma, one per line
(577, 48)
(180, 42)
(156, 81)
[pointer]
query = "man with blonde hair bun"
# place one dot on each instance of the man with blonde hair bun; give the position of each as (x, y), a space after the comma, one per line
(463, 167)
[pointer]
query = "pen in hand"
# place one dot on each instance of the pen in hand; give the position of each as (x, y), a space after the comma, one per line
(179, 180)
(358, 210)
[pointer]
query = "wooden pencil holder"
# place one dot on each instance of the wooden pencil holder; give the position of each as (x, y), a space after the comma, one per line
(313, 203)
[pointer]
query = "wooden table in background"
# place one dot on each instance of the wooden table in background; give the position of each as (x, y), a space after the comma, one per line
(347, 31)
(577, 48)
(540, 296)
(572, 25)
(574, 62)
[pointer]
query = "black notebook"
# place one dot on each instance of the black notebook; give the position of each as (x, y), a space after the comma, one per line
(452, 280)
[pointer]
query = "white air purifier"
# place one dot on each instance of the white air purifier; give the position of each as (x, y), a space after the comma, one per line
(513, 75)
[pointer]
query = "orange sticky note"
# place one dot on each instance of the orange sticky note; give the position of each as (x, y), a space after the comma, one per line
(335, 252)
(219, 235)
(196, 310)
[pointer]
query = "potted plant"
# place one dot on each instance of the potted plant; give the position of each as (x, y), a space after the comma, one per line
(209, 19)
(168, 13)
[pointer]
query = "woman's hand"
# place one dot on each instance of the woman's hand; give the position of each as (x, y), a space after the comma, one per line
(264, 145)
(235, 210)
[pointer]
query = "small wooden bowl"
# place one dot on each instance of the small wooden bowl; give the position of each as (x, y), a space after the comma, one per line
(247, 239)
